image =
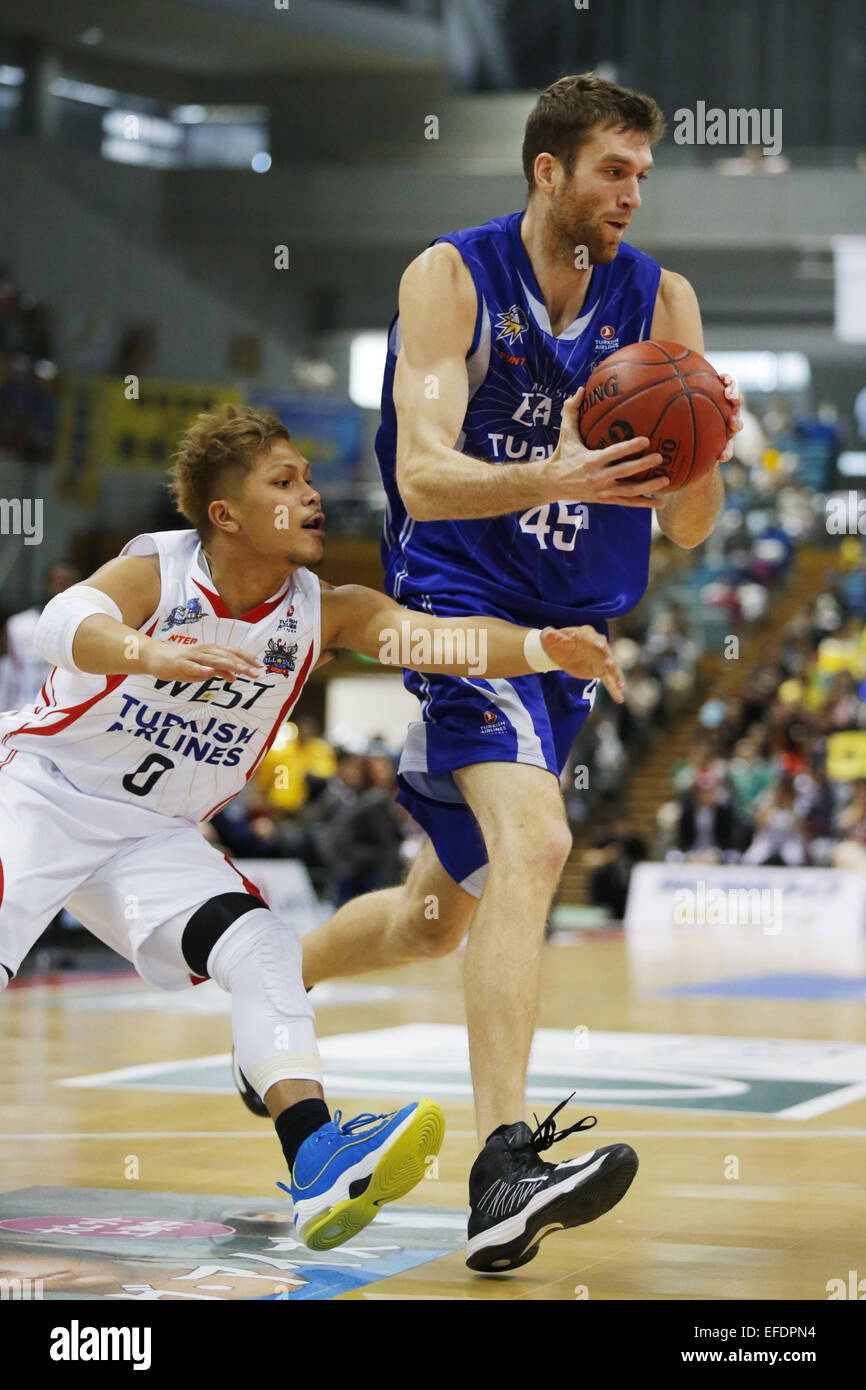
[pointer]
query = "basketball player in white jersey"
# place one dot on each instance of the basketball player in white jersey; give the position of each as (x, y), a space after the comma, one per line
(174, 666)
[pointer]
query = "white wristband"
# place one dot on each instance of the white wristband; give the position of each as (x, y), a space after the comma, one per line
(535, 654)
(61, 619)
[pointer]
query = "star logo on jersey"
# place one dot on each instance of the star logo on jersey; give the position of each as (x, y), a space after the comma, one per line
(279, 657)
(189, 612)
(512, 324)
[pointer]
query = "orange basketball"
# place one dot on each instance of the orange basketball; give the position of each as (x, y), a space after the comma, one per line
(667, 393)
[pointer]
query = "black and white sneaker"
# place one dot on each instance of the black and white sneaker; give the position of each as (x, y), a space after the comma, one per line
(516, 1199)
(251, 1099)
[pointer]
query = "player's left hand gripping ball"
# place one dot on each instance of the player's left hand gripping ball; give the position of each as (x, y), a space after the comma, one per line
(735, 420)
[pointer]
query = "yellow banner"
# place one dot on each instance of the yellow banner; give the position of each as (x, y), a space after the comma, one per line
(846, 756)
(112, 424)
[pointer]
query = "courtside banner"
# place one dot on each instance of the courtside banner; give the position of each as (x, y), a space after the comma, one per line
(717, 897)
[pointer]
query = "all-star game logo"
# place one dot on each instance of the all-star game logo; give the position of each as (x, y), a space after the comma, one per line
(189, 612)
(512, 324)
(279, 657)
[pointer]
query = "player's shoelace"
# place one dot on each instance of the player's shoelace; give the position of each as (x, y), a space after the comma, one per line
(358, 1122)
(546, 1132)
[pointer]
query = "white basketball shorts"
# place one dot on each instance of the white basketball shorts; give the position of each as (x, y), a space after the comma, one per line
(132, 876)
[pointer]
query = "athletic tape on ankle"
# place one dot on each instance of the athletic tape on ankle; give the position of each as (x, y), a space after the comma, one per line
(61, 618)
(283, 1066)
(535, 654)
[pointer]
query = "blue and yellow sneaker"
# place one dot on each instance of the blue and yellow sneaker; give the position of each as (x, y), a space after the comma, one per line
(344, 1173)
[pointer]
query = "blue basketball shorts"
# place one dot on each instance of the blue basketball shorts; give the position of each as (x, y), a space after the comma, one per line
(528, 719)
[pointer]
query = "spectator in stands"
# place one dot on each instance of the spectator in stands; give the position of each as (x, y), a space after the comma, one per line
(609, 759)
(27, 670)
(28, 375)
(780, 828)
(248, 829)
(850, 852)
(360, 842)
(299, 755)
(136, 351)
(709, 829)
(702, 759)
(611, 858)
(668, 650)
(643, 698)
(844, 703)
(816, 798)
(28, 409)
(749, 773)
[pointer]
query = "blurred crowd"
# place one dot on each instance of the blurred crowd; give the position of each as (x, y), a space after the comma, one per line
(332, 808)
(778, 774)
(28, 374)
(727, 588)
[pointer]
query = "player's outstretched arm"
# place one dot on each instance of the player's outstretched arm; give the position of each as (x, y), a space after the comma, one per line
(94, 627)
(358, 619)
(438, 307)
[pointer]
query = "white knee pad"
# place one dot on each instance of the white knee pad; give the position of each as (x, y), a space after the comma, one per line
(258, 961)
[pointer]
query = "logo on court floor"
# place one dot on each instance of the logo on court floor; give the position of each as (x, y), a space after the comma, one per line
(787, 1077)
(185, 1246)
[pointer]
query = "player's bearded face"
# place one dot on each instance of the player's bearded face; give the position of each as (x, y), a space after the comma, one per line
(578, 216)
(593, 205)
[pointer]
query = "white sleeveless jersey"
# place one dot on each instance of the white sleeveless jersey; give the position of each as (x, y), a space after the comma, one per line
(182, 748)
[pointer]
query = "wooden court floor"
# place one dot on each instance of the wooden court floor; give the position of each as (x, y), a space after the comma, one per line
(745, 1099)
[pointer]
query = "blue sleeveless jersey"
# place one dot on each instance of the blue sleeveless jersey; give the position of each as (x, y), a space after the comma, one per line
(561, 562)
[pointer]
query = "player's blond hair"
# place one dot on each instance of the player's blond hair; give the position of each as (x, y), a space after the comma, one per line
(566, 111)
(222, 442)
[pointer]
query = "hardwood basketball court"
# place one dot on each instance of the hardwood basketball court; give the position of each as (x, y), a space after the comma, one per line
(745, 1099)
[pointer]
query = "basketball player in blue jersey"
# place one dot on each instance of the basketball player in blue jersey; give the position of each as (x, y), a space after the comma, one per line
(495, 505)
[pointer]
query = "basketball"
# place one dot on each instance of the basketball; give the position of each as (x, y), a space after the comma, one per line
(667, 393)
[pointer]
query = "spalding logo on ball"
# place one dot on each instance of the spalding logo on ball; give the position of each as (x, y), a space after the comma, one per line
(667, 393)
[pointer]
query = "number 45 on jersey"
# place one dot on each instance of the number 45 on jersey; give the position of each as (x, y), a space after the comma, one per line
(571, 516)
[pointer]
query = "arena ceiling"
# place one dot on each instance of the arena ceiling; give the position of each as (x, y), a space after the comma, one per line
(207, 36)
